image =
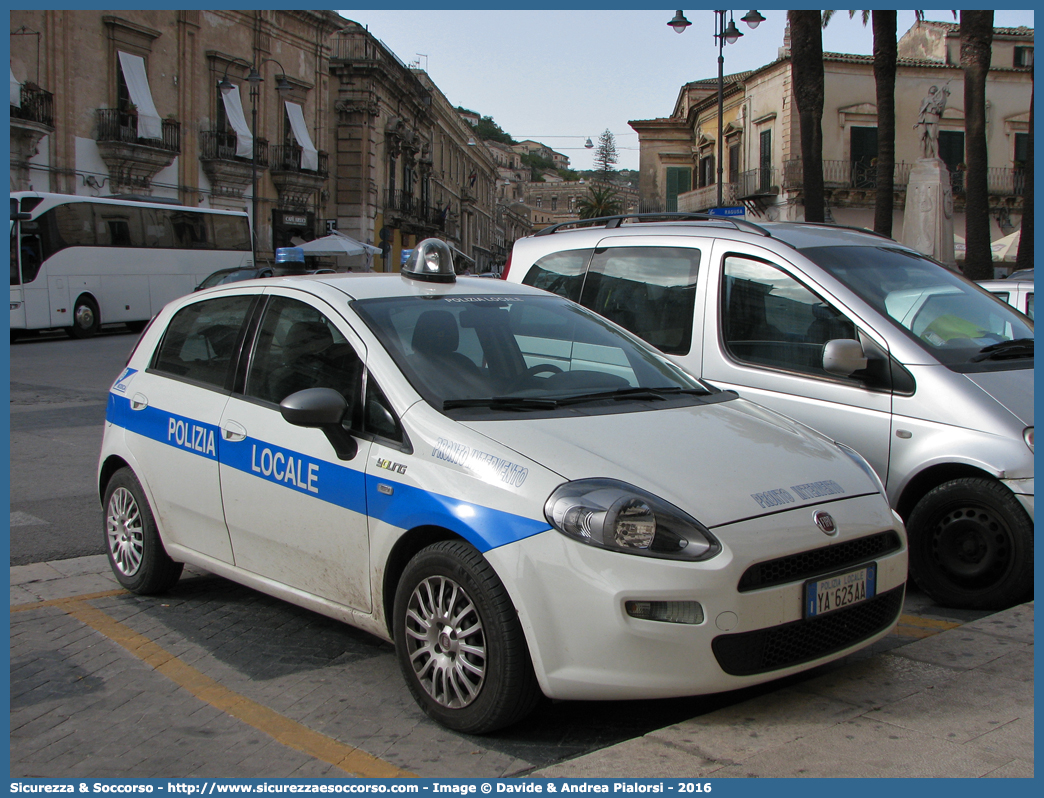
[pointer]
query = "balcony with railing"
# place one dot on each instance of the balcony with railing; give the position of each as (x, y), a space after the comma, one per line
(133, 160)
(36, 106)
(217, 145)
(706, 197)
(287, 158)
(411, 209)
(121, 127)
(31, 120)
(1001, 181)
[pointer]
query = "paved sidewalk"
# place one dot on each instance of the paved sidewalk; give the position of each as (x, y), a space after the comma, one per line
(956, 704)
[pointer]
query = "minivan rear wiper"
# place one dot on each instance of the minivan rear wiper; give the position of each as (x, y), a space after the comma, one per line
(1020, 347)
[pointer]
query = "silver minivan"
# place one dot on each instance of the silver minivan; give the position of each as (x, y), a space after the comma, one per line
(925, 374)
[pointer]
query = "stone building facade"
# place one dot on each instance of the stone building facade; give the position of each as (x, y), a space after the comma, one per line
(762, 152)
(559, 201)
(128, 103)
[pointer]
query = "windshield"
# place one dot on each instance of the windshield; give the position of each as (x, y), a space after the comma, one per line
(521, 354)
(961, 325)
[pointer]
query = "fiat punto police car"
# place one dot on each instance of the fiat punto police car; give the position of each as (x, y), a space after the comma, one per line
(521, 495)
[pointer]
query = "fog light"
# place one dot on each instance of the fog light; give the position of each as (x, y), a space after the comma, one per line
(667, 611)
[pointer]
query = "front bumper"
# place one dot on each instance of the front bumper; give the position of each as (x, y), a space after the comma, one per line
(584, 645)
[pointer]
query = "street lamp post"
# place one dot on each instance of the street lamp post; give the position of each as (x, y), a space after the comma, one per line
(729, 34)
(255, 80)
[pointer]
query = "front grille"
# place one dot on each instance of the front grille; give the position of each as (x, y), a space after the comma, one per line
(764, 650)
(807, 564)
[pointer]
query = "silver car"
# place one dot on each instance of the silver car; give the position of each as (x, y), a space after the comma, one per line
(924, 373)
(1016, 291)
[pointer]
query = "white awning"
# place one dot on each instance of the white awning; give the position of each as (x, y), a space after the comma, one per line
(309, 155)
(149, 124)
(234, 112)
(16, 91)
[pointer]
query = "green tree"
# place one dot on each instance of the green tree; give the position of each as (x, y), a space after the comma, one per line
(488, 130)
(600, 201)
(605, 155)
(806, 38)
(976, 50)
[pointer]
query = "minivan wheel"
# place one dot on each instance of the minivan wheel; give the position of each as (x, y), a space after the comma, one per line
(459, 642)
(971, 545)
(135, 550)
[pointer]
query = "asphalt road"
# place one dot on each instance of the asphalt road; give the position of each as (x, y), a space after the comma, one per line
(58, 393)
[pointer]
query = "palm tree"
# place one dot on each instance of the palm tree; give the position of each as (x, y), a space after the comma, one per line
(806, 37)
(600, 201)
(976, 50)
(1024, 260)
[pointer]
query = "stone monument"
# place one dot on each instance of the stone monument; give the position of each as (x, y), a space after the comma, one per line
(928, 216)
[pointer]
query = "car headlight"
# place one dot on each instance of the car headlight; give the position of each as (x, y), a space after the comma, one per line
(620, 517)
(860, 461)
(1027, 435)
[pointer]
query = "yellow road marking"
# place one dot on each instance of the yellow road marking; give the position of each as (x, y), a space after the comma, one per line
(288, 732)
(915, 626)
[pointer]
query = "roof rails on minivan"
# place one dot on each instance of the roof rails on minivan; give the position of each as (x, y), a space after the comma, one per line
(612, 222)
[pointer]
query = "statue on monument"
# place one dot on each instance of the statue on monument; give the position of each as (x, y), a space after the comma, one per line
(932, 107)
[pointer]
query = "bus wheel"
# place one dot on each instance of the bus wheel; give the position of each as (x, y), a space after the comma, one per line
(85, 318)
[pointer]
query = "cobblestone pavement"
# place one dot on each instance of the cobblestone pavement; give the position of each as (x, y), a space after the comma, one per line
(216, 680)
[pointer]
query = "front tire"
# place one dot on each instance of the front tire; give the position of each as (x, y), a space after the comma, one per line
(86, 319)
(971, 545)
(136, 553)
(459, 642)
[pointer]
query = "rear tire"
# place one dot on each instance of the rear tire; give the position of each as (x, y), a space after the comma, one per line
(86, 321)
(459, 641)
(136, 553)
(971, 545)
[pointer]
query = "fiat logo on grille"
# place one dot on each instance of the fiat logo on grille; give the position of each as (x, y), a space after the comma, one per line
(826, 523)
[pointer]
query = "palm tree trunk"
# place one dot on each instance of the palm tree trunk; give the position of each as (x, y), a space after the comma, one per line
(886, 56)
(806, 37)
(976, 49)
(1024, 260)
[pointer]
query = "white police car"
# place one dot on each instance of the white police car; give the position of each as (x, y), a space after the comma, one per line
(525, 498)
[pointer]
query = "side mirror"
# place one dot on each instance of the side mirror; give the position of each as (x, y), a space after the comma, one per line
(324, 409)
(843, 357)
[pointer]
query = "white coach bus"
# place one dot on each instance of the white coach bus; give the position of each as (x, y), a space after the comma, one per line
(80, 262)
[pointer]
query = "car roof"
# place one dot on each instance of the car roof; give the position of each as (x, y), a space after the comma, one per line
(1001, 284)
(377, 285)
(799, 235)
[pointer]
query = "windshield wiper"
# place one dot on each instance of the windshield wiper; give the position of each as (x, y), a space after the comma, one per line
(622, 394)
(1020, 347)
(503, 403)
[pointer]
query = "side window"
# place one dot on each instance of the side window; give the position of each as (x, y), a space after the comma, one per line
(200, 340)
(379, 417)
(650, 291)
(297, 347)
(560, 273)
(770, 319)
(1029, 305)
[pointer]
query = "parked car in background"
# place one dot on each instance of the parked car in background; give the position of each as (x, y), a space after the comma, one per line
(224, 276)
(1017, 291)
(869, 342)
(522, 496)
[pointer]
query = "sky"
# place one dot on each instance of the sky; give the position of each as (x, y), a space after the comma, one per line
(560, 77)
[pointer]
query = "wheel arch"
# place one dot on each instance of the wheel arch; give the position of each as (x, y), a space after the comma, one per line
(405, 548)
(933, 477)
(110, 466)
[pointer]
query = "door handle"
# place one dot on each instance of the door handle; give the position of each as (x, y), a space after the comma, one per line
(139, 402)
(233, 431)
